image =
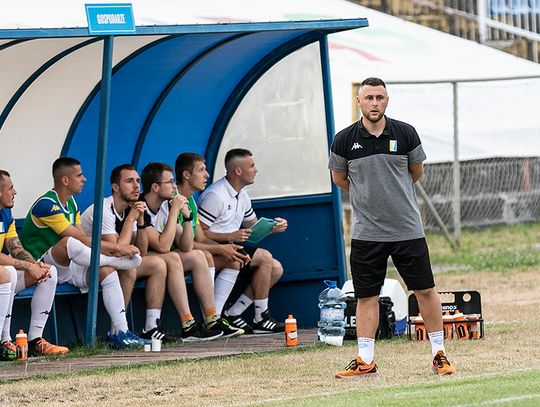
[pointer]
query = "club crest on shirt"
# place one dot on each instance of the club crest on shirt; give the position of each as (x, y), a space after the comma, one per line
(393, 146)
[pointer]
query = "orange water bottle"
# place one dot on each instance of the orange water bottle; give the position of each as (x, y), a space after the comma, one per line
(419, 328)
(460, 325)
(291, 332)
(21, 343)
(448, 325)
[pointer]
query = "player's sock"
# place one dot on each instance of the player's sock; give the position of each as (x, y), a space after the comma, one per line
(437, 342)
(6, 325)
(152, 315)
(260, 307)
(41, 305)
(113, 299)
(242, 303)
(81, 254)
(5, 295)
(223, 286)
(366, 349)
(212, 272)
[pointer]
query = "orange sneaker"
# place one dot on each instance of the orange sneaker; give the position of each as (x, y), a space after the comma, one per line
(357, 368)
(40, 347)
(9, 345)
(441, 365)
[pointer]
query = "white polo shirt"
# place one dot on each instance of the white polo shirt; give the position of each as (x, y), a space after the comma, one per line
(112, 221)
(223, 209)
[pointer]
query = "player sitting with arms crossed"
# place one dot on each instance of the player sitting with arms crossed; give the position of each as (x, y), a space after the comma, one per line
(124, 222)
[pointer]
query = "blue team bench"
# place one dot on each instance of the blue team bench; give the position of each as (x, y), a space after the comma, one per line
(68, 289)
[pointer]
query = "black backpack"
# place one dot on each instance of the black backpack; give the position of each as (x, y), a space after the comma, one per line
(387, 318)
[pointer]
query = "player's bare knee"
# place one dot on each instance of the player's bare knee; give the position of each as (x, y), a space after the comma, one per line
(200, 258)
(277, 269)
(209, 258)
(105, 271)
(129, 275)
(172, 259)
(263, 257)
(5, 276)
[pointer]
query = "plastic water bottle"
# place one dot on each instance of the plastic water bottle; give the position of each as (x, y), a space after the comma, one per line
(332, 320)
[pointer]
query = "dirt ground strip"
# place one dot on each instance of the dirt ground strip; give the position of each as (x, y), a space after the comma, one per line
(510, 305)
(226, 347)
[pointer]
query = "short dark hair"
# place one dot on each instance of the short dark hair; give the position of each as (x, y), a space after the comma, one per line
(115, 173)
(373, 82)
(153, 173)
(186, 162)
(62, 163)
(3, 173)
(236, 152)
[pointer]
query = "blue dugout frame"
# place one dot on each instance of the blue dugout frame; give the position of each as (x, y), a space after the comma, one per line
(308, 32)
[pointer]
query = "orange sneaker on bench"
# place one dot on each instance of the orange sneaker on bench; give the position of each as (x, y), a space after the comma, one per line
(441, 365)
(40, 347)
(357, 368)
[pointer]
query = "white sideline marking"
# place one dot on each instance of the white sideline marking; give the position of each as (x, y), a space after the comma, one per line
(409, 391)
(502, 400)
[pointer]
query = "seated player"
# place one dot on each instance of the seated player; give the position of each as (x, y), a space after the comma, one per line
(24, 271)
(226, 216)
(124, 222)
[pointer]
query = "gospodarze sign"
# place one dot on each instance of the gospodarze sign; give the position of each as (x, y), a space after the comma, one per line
(108, 19)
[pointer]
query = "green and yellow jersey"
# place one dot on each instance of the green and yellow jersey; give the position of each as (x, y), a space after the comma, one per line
(47, 219)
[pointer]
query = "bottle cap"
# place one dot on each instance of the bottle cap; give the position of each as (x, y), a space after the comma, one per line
(290, 316)
(330, 283)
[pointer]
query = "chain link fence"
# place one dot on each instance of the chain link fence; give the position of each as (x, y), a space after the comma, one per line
(482, 139)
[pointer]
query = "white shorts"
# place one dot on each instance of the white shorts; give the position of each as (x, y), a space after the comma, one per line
(74, 274)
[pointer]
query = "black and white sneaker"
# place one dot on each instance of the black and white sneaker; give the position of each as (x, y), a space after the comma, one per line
(268, 325)
(223, 325)
(236, 321)
(198, 332)
(156, 333)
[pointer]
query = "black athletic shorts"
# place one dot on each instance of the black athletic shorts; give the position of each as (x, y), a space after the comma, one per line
(246, 271)
(369, 262)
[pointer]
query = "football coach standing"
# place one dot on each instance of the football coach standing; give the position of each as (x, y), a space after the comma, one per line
(378, 160)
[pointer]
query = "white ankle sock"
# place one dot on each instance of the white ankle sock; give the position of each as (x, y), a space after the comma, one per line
(223, 286)
(242, 303)
(42, 301)
(437, 342)
(152, 315)
(113, 299)
(260, 307)
(6, 325)
(366, 349)
(80, 254)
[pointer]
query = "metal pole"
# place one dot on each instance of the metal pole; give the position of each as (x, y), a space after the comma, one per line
(482, 26)
(106, 74)
(435, 214)
(456, 174)
(336, 194)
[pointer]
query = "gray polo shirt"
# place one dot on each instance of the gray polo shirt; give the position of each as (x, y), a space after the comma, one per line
(381, 189)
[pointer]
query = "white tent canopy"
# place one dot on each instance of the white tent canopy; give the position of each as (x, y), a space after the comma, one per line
(390, 48)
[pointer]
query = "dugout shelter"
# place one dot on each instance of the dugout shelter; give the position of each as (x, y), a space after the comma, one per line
(205, 88)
